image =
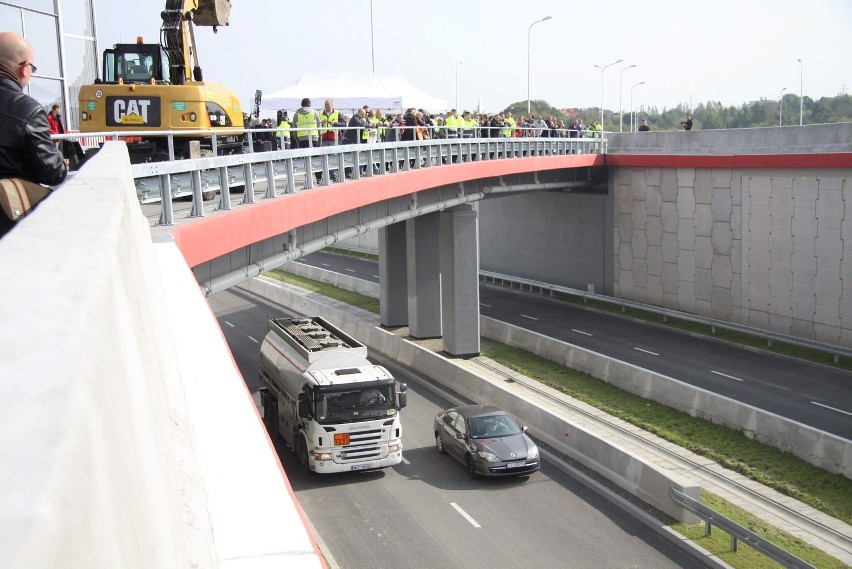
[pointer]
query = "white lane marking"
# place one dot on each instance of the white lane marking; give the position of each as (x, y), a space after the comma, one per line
(253, 340)
(351, 270)
(580, 332)
(480, 304)
(832, 408)
(530, 317)
(465, 515)
(229, 324)
(725, 375)
(325, 264)
(376, 276)
(405, 461)
(646, 351)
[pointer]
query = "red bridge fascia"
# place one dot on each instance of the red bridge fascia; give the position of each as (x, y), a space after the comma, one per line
(210, 237)
(222, 232)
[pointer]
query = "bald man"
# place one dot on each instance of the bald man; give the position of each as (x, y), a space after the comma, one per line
(26, 150)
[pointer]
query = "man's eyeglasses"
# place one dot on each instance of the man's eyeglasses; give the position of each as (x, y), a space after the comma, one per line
(32, 67)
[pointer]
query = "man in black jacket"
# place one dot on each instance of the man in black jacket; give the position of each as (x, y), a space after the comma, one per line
(26, 150)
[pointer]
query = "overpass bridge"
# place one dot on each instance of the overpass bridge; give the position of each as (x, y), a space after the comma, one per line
(155, 451)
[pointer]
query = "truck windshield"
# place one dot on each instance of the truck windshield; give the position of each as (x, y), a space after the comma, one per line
(356, 404)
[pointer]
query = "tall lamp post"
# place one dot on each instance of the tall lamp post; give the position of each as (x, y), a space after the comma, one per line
(620, 91)
(602, 71)
(529, 35)
(801, 95)
(372, 43)
(780, 105)
(631, 103)
(457, 82)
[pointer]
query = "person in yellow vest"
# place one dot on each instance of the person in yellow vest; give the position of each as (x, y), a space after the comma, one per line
(307, 126)
(510, 123)
(328, 136)
(283, 132)
(451, 122)
(306, 129)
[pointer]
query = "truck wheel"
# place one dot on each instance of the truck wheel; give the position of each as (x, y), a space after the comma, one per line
(302, 453)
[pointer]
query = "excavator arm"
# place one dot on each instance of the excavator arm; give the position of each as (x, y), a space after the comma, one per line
(178, 39)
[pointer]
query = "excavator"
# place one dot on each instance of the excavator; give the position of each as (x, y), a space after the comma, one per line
(160, 87)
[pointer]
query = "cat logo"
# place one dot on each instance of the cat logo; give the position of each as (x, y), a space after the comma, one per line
(133, 111)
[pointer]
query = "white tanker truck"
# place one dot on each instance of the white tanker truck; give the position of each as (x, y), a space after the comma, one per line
(335, 409)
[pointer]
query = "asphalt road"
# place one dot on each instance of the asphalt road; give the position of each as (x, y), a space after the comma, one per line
(813, 395)
(427, 513)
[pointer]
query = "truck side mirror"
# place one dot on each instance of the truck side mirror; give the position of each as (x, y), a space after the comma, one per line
(403, 396)
(304, 408)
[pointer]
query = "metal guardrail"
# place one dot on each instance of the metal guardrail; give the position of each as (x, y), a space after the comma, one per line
(180, 178)
(836, 351)
(737, 532)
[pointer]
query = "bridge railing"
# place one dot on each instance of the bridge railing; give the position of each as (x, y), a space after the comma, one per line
(285, 171)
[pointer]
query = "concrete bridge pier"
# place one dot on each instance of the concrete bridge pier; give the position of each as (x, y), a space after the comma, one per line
(424, 275)
(393, 276)
(460, 280)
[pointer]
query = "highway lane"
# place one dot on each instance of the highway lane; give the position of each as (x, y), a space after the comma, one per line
(814, 395)
(427, 513)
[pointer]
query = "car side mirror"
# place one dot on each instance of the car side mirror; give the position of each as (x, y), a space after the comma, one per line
(525, 428)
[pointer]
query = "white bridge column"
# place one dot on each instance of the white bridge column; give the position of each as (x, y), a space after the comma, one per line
(424, 276)
(393, 277)
(460, 280)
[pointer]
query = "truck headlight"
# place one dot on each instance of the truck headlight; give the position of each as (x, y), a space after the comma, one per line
(394, 448)
(322, 456)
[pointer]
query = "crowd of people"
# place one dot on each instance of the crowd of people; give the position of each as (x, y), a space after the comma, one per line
(310, 127)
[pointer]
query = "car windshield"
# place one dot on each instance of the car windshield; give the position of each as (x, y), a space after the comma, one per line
(493, 426)
(356, 404)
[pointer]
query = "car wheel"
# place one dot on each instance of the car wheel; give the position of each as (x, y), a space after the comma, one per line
(439, 444)
(471, 468)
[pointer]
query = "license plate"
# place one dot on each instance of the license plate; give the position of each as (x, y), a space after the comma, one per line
(361, 466)
(515, 464)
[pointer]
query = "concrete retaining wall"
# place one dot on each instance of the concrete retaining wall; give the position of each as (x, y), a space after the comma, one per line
(546, 422)
(127, 435)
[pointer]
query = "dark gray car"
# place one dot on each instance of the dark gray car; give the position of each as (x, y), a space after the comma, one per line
(486, 440)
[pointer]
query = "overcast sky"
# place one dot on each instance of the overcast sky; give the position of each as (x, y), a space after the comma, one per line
(733, 51)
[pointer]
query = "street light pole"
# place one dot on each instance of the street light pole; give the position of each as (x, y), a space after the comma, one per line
(620, 91)
(457, 82)
(780, 103)
(602, 71)
(631, 104)
(529, 35)
(372, 43)
(801, 96)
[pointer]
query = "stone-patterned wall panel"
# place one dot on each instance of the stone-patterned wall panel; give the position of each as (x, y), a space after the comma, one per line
(654, 231)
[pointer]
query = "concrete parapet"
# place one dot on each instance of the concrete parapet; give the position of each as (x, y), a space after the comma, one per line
(127, 436)
(641, 478)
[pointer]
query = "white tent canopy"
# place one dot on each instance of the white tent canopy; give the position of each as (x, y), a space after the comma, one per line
(352, 91)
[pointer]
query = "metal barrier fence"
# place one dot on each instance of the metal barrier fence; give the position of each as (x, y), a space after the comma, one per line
(737, 532)
(666, 313)
(285, 171)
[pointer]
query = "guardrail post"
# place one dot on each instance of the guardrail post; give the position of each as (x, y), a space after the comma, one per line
(248, 188)
(326, 176)
(224, 189)
(290, 172)
(197, 199)
(270, 181)
(309, 173)
(166, 209)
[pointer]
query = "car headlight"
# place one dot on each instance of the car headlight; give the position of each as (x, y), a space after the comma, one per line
(532, 452)
(489, 456)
